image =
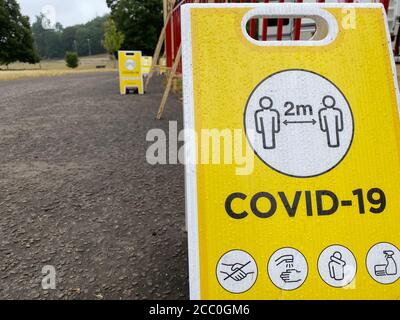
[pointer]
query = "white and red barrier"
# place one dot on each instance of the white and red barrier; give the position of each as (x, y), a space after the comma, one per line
(258, 28)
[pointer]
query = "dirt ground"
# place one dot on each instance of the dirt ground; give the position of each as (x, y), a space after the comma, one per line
(77, 193)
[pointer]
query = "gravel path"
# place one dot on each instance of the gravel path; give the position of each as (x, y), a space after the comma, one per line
(77, 193)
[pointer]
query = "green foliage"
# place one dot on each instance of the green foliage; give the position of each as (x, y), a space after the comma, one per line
(140, 21)
(72, 60)
(93, 30)
(16, 42)
(84, 39)
(113, 39)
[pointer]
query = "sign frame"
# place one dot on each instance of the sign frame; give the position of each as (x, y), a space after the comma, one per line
(136, 82)
(189, 113)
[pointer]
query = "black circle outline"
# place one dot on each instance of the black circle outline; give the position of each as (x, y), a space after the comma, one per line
(268, 165)
(305, 279)
(366, 265)
(216, 271)
(355, 274)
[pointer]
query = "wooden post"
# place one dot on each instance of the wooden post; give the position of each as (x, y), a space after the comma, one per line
(169, 83)
(160, 43)
(165, 10)
(171, 77)
(156, 56)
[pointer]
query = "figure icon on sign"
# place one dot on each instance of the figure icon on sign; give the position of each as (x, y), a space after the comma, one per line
(331, 121)
(336, 266)
(267, 122)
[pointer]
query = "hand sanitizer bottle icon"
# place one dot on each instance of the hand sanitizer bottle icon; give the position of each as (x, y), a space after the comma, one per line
(391, 267)
(388, 269)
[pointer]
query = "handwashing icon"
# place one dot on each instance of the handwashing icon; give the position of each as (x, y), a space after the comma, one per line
(287, 268)
(388, 269)
(290, 275)
(289, 259)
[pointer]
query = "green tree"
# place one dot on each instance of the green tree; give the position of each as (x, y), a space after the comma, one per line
(89, 36)
(68, 38)
(16, 41)
(140, 21)
(113, 39)
(72, 60)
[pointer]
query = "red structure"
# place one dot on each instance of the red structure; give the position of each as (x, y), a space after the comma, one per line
(173, 29)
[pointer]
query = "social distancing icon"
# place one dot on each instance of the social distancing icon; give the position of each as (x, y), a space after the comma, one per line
(294, 113)
(319, 121)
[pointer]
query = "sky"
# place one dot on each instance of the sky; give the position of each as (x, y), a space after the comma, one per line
(68, 12)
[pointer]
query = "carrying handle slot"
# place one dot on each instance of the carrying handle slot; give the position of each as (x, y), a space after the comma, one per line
(326, 24)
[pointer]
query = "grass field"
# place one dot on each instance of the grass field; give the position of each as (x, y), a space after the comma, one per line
(53, 68)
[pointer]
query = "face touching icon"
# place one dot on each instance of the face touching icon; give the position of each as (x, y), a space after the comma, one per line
(337, 266)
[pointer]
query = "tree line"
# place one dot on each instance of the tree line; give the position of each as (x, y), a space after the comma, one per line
(132, 25)
(84, 39)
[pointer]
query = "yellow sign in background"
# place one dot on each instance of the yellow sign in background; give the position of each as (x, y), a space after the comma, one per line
(146, 64)
(226, 69)
(130, 71)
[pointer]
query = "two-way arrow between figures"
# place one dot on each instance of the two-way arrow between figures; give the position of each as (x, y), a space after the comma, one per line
(286, 122)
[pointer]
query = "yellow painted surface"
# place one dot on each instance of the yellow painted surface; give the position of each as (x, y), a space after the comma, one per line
(226, 68)
(146, 64)
(130, 71)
